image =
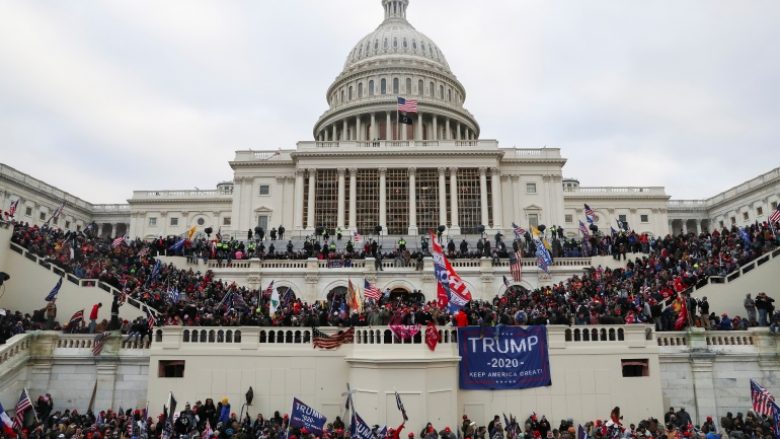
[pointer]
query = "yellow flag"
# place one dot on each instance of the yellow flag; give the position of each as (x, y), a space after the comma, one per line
(190, 233)
(535, 232)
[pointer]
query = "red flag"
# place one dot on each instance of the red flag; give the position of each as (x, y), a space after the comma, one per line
(431, 336)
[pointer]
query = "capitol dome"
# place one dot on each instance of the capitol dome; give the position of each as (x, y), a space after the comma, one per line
(396, 61)
(396, 37)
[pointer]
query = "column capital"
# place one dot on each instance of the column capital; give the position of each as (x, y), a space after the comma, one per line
(300, 171)
(382, 171)
(442, 170)
(412, 170)
(482, 170)
(312, 171)
(495, 170)
(341, 170)
(353, 171)
(453, 169)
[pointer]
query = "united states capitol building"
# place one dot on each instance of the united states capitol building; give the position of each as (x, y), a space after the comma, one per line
(361, 170)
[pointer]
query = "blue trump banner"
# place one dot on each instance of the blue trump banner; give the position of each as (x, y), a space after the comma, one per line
(305, 416)
(509, 357)
(359, 429)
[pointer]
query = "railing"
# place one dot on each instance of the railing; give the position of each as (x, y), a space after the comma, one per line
(627, 190)
(55, 193)
(591, 334)
(150, 195)
(385, 336)
(740, 271)
(70, 277)
(542, 153)
(712, 338)
(110, 208)
(687, 204)
(391, 144)
(14, 346)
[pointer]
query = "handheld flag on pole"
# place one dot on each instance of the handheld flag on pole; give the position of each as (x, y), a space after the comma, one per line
(400, 406)
(761, 398)
(7, 423)
(590, 215)
(13, 207)
(519, 231)
(22, 406)
(54, 291)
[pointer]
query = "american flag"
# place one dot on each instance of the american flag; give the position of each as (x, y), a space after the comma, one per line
(267, 292)
(21, 408)
(371, 291)
(118, 241)
(407, 105)
(584, 229)
(324, 341)
(144, 251)
(590, 214)
(58, 211)
(762, 399)
(100, 341)
(12, 209)
(516, 265)
(519, 231)
(400, 406)
(207, 432)
(151, 321)
(773, 218)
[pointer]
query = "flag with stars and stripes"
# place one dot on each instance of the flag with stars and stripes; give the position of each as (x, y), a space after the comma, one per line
(590, 215)
(370, 290)
(22, 406)
(519, 231)
(762, 399)
(407, 105)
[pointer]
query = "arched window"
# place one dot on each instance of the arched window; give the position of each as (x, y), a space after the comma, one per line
(376, 45)
(441, 92)
(395, 86)
(405, 45)
(414, 45)
(430, 88)
(395, 43)
(385, 44)
(349, 94)
(449, 94)
(408, 90)
(420, 87)
(422, 46)
(383, 86)
(360, 90)
(342, 95)
(371, 87)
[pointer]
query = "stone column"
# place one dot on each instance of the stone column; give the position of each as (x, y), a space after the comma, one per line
(518, 213)
(298, 207)
(310, 213)
(402, 128)
(447, 130)
(495, 175)
(435, 135)
(454, 227)
(344, 130)
(340, 214)
(419, 131)
(334, 137)
(412, 202)
(358, 129)
(442, 197)
(685, 227)
(373, 130)
(388, 127)
(353, 199)
(483, 196)
(457, 131)
(383, 199)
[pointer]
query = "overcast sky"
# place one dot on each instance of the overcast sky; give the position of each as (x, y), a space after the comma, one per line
(101, 98)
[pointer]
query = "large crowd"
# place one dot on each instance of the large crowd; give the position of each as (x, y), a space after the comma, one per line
(646, 290)
(221, 420)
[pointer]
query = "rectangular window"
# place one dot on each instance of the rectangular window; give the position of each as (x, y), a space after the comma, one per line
(78, 228)
(622, 218)
(644, 218)
(367, 201)
(774, 205)
(530, 188)
(42, 216)
(733, 220)
(397, 183)
(721, 224)
(635, 368)
(67, 224)
(326, 199)
(533, 219)
(262, 221)
(759, 210)
(427, 182)
(170, 369)
(152, 221)
(569, 218)
(28, 211)
(265, 189)
(174, 221)
(226, 221)
(745, 216)
(469, 201)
